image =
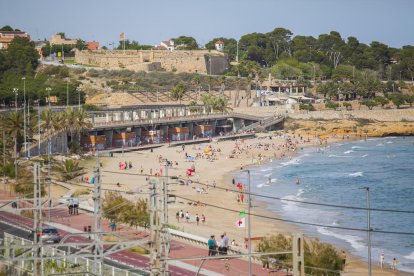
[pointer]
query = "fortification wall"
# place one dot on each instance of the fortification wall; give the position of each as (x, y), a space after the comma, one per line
(197, 61)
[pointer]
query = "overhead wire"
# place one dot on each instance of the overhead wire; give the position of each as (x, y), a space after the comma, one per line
(299, 222)
(282, 199)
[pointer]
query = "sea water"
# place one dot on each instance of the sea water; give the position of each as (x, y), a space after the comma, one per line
(338, 174)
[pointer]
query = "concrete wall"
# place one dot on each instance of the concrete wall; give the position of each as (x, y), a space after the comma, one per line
(197, 61)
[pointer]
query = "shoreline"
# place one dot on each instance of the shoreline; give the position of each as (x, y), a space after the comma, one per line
(221, 171)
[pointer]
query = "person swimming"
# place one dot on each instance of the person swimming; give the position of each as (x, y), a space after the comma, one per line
(297, 181)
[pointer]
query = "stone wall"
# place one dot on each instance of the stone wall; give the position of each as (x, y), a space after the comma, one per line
(197, 61)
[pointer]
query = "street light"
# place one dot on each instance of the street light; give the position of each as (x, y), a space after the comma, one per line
(79, 93)
(67, 92)
(24, 115)
(48, 89)
(368, 229)
(248, 224)
(4, 159)
(16, 92)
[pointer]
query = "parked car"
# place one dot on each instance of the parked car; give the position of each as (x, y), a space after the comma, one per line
(49, 235)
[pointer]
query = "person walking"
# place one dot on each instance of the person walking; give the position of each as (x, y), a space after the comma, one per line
(211, 246)
(197, 219)
(187, 217)
(177, 216)
(226, 243)
(75, 206)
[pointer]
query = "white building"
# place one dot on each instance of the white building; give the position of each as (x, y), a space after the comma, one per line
(219, 45)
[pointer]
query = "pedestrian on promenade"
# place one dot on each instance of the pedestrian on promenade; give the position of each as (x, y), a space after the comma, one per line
(113, 226)
(187, 217)
(70, 206)
(226, 243)
(197, 219)
(76, 206)
(177, 216)
(211, 246)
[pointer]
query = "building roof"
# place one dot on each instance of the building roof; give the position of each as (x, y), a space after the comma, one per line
(168, 43)
(13, 32)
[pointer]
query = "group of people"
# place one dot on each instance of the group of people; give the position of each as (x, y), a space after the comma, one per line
(73, 206)
(394, 263)
(125, 165)
(220, 248)
(180, 215)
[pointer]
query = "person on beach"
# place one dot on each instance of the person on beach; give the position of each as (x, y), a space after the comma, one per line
(187, 217)
(382, 261)
(197, 219)
(181, 214)
(394, 264)
(343, 260)
(203, 218)
(177, 216)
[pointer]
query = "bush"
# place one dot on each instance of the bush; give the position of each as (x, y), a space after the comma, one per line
(331, 105)
(309, 107)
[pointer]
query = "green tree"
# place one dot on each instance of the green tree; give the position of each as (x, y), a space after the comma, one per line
(397, 100)
(331, 105)
(185, 43)
(7, 28)
(114, 205)
(409, 99)
(347, 106)
(381, 100)
(67, 169)
(369, 103)
(178, 91)
(136, 214)
(21, 56)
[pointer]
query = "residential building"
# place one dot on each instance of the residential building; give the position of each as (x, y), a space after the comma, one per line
(59, 40)
(6, 37)
(93, 45)
(166, 45)
(219, 45)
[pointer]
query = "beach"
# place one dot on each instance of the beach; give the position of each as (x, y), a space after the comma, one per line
(215, 165)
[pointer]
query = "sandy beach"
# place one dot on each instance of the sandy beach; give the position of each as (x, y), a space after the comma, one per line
(214, 165)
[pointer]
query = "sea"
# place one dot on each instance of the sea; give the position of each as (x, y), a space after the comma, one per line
(339, 174)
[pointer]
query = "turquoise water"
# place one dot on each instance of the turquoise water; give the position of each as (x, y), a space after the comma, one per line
(335, 175)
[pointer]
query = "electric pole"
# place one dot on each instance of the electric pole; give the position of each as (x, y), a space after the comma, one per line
(98, 249)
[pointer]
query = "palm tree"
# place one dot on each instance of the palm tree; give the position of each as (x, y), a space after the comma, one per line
(60, 127)
(82, 122)
(236, 98)
(13, 127)
(68, 169)
(196, 82)
(222, 84)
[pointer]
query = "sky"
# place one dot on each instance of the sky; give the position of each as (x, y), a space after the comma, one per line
(151, 21)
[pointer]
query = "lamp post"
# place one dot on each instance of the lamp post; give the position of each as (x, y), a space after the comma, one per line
(16, 92)
(78, 89)
(249, 241)
(4, 158)
(368, 229)
(48, 89)
(24, 115)
(67, 92)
